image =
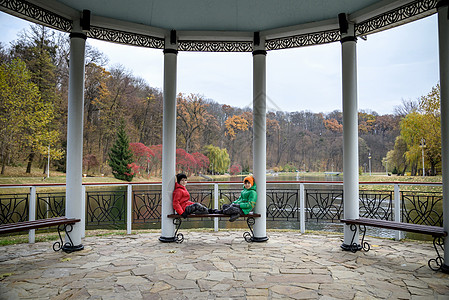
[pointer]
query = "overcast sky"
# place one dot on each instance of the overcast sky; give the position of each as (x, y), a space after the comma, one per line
(400, 63)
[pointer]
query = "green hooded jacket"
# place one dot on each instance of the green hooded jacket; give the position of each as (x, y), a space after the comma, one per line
(247, 199)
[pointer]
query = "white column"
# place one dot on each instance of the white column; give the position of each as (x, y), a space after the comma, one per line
(216, 205)
(443, 38)
(32, 214)
(350, 133)
(302, 208)
(397, 210)
(83, 211)
(168, 142)
(129, 208)
(73, 206)
(260, 140)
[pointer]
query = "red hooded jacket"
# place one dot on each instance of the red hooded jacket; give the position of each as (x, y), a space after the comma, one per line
(181, 198)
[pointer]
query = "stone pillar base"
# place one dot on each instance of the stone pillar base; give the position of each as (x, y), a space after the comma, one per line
(70, 249)
(259, 239)
(445, 269)
(347, 247)
(164, 239)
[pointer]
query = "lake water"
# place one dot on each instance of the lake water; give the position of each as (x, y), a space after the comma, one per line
(286, 177)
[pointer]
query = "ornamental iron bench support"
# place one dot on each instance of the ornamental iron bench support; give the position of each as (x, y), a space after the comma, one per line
(248, 236)
(438, 233)
(62, 223)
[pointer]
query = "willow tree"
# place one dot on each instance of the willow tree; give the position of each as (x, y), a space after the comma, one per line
(421, 130)
(218, 158)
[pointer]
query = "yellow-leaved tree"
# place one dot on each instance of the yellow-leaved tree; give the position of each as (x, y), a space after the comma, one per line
(422, 132)
(25, 118)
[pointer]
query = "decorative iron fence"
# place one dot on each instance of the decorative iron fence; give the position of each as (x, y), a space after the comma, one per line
(108, 208)
(283, 205)
(13, 208)
(147, 206)
(324, 205)
(422, 208)
(50, 205)
(376, 204)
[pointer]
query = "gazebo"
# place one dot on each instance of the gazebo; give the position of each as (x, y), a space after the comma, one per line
(232, 26)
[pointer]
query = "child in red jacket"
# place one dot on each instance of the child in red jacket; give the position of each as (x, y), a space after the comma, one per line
(181, 199)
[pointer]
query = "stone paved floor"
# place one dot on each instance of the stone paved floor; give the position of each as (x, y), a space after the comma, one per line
(221, 265)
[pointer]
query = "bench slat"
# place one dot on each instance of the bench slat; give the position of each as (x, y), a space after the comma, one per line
(416, 228)
(27, 225)
(176, 216)
(30, 222)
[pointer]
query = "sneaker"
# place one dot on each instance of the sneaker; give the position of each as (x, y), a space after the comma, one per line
(215, 211)
(234, 217)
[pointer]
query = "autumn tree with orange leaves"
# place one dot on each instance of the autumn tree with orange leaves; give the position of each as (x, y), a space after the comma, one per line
(192, 119)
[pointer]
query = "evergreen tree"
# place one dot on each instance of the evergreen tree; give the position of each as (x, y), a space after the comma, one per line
(120, 156)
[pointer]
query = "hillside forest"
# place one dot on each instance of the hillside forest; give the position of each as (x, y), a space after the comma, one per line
(211, 138)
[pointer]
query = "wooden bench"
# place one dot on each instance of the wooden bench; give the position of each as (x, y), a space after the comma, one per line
(250, 220)
(438, 234)
(63, 224)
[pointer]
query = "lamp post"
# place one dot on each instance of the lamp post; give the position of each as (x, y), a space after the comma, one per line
(48, 162)
(423, 145)
(369, 161)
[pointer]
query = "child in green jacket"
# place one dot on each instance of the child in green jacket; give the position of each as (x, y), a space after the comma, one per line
(245, 203)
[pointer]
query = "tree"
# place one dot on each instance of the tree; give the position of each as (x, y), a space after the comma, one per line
(185, 162)
(422, 132)
(120, 156)
(157, 158)
(202, 162)
(38, 48)
(89, 161)
(333, 125)
(25, 117)
(142, 156)
(192, 116)
(396, 158)
(235, 169)
(219, 159)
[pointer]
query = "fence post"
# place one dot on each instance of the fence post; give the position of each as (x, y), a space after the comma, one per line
(397, 210)
(32, 214)
(302, 208)
(129, 209)
(83, 211)
(216, 205)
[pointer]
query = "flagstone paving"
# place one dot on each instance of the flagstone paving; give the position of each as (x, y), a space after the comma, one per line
(221, 265)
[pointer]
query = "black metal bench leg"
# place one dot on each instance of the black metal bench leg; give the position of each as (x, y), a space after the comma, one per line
(354, 247)
(58, 244)
(365, 245)
(68, 246)
(436, 263)
(250, 221)
(179, 237)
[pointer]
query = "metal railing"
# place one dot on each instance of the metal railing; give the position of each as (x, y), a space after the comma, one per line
(123, 205)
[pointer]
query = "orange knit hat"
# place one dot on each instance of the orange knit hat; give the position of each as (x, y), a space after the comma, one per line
(250, 179)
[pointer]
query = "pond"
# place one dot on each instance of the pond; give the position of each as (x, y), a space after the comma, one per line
(300, 176)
